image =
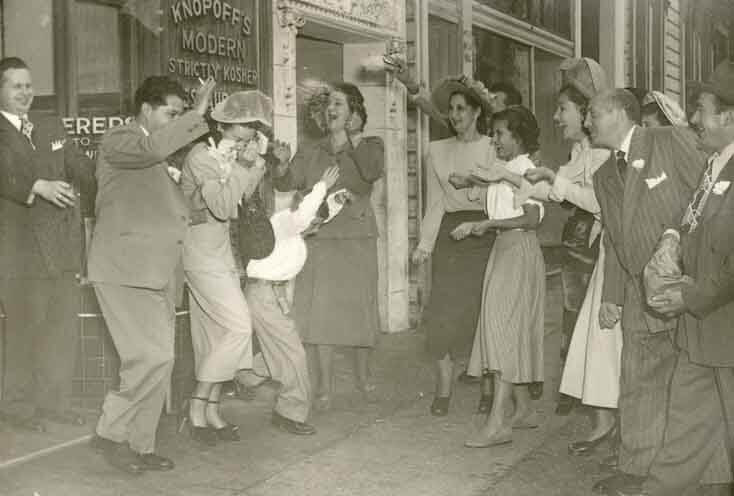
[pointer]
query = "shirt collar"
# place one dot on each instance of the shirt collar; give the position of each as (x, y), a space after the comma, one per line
(14, 119)
(625, 146)
(724, 155)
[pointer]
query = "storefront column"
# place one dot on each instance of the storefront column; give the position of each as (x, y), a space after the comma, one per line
(286, 21)
(612, 40)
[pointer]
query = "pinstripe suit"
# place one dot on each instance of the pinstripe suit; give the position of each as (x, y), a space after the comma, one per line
(663, 169)
(701, 404)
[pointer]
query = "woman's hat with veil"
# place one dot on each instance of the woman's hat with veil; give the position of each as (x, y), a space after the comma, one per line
(584, 74)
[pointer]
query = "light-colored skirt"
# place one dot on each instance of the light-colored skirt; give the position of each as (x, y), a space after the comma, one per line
(592, 364)
(509, 336)
(221, 328)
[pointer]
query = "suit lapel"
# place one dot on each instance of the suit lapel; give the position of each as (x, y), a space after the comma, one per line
(634, 184)
(8, 127)
(714, 201)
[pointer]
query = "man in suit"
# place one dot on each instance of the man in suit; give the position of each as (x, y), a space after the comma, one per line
(136, 247)
(640, 189)
(698, 433)
(41, 176)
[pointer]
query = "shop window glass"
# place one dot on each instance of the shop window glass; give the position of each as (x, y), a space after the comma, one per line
(552, 15)
(497, 59)
(28, 34)
(98, 48)
(319, 62)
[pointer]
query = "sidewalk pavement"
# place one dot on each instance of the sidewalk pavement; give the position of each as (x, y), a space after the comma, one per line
(391, 447)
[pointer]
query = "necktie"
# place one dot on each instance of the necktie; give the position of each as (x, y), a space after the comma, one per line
(695, 207)
(26, 127)
(622, 164)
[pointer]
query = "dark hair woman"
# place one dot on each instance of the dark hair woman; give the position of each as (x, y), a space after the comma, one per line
(336, 292)
(449, 323)
(214, 179)
(509, 336)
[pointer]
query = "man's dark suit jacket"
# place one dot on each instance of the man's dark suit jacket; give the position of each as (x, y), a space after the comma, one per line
(663, 169)
(39, 240)
(708, 257)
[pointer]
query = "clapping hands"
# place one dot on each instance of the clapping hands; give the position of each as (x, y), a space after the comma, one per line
(538, 174)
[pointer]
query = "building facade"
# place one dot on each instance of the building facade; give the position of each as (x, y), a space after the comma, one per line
(88, 56)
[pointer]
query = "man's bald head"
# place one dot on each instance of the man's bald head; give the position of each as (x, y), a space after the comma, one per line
(612, 113)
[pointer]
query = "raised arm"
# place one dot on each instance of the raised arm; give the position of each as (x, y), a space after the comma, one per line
(125, 149)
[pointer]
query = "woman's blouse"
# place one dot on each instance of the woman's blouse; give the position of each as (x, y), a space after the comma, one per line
(445, 157)
(500, 202)
(573, 183)
(359, 168)
(213, 188)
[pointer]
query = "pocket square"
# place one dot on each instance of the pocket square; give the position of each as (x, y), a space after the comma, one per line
(57, 145)
(654, 181)
(721, 187)
(638, 164)
(174, 173)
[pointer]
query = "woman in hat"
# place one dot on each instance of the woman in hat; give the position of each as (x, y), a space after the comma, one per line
(336, 292)
(658, 109)
(216, 176)
(449, 322)
(591, 371)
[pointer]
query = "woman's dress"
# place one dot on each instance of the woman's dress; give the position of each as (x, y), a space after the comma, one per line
(449, 322)
(509, 333)
(591, 372)
(221, 330)
(336, 292)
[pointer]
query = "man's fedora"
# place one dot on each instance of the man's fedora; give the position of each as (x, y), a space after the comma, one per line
(721, 83)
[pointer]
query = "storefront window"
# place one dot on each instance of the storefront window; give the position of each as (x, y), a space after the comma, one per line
(28, 34)
(500, 59)
(98, 48)
(552, 15)
(319, 62)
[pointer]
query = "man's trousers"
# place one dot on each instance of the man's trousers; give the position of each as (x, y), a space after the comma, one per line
(142, 325)
(42, 340)
(281, 347)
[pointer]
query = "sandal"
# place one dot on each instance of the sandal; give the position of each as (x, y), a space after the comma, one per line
(440, 406)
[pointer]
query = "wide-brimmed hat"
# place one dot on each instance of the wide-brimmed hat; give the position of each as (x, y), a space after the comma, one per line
(244, 107)
(721, 83)
(584, 74)
(459, 84)
(670, 108)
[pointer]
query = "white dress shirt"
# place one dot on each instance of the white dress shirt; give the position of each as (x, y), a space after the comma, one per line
(14, 119)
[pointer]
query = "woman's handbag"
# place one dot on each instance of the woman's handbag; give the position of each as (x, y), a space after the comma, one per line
(256, 237)
(576, 237)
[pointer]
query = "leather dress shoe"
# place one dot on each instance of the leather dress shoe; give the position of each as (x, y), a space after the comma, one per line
(579, 448)
(151, 461)
(465, 378)
(120, 456)
(292, 426)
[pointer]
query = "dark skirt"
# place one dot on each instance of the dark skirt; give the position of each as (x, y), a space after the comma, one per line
(336, 293)
(450, 317)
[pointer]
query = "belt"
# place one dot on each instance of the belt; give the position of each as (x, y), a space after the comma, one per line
(254, 280)
(499, 230)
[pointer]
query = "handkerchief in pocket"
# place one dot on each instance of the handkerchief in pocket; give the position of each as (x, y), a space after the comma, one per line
(654, 181)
